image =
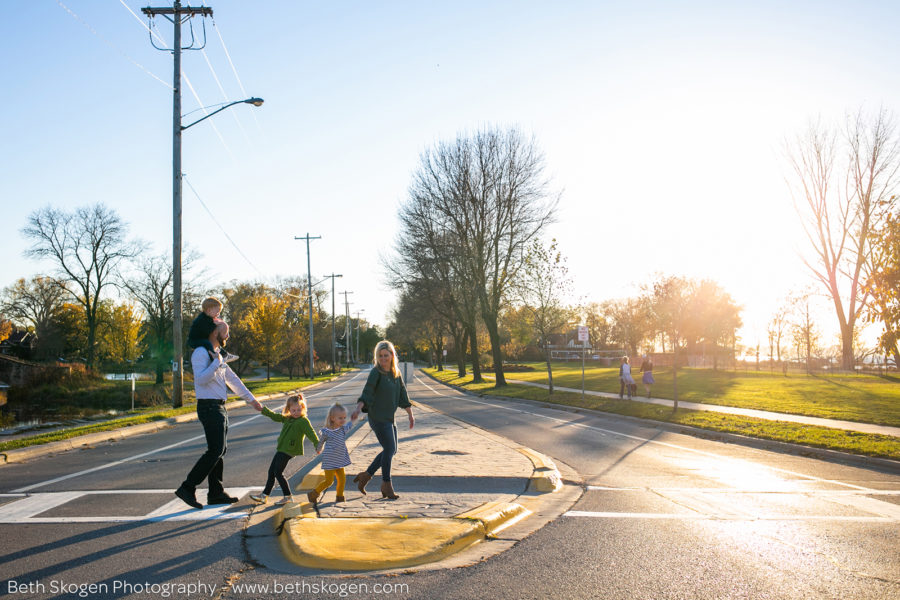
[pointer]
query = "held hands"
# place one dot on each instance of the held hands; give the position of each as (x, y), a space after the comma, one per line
(257, 405)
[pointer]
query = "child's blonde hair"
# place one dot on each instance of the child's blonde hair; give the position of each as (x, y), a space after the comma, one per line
(211, 302)
(299, 399)
(332, 412)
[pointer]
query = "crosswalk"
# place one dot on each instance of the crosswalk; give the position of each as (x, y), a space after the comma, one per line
(690, 504)
(114, 507)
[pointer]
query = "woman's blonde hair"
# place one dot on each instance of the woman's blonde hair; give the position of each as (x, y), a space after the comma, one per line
(386, 345)
(334, 410)
(299, 399)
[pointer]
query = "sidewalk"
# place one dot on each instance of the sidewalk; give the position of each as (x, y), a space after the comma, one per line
(746, 412)
(458, 485)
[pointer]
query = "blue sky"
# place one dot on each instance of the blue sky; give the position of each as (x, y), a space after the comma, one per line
(663, 125)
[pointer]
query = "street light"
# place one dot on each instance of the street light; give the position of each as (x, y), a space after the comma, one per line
(177, 318)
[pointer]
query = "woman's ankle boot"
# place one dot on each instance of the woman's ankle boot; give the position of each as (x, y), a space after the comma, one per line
(361, 480)
(387, 490)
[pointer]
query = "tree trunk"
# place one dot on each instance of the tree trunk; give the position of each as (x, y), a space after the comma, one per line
(490, 322)
(675, 375)
(549, 373)
(476, 359)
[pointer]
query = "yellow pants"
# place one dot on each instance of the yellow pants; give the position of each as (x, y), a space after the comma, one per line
(330, 476)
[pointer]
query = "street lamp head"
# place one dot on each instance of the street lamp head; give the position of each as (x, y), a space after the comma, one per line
(254, 101)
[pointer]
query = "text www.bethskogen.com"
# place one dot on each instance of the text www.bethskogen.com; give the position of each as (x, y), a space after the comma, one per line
(302, 588)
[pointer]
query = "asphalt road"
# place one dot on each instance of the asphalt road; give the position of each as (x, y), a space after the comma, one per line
(663, 515)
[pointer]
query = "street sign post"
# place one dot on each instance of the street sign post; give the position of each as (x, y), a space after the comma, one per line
(583, 338)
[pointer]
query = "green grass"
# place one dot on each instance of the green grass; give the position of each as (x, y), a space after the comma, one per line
(259, 388)
(861, 398)
(819, 437)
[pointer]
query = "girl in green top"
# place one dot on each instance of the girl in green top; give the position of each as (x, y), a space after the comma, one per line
(295, 426)
(382, 395)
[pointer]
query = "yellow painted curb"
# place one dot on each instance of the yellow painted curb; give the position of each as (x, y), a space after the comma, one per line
(364, 544)
(372, 543)
(546, 477)
(496, 515)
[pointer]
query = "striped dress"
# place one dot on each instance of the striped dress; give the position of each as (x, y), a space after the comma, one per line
(335, 455)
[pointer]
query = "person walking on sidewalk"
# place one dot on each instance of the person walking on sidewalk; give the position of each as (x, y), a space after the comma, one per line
(647, 373)
(627, 379)
(294, 427)
(383, 393)
(212, 378)
(334, 438)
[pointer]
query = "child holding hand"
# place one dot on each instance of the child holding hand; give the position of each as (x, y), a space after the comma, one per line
(336, 457)
(295, 426)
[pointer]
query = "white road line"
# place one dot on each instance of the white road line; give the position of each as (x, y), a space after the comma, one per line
(27, 509)
(644, 440)
(138, 456)
(319, 393)
(698, 517)
(34, 486)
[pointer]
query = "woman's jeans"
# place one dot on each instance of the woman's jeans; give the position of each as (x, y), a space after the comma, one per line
(387, 437)
(214, 418)
(276, 471)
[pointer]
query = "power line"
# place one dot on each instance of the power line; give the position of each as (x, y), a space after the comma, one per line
(113, 46)
(222, 229)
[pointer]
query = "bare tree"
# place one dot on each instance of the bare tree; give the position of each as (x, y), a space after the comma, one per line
(843, 183)
(542, 285)
(86, 246)
(777, 331)
(485, 196)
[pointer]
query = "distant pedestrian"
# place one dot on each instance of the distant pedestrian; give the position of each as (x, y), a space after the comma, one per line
(383, 393)
(294, 427)
(627, 379)
(212, 378)
(647, 373)
(335, 457)
(621, 379)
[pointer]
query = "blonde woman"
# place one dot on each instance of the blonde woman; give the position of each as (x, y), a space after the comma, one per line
(383, 393)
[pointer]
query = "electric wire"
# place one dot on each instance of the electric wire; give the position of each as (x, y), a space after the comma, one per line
(222, 229)
(233, 68)
(187, 79)
(113, 46)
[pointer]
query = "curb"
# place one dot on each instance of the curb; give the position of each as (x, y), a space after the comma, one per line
(18, 455)
(824, 454)
(333, 543)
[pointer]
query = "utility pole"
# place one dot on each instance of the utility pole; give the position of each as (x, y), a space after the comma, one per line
(357, 332)
(312, 352)
(348, 329)
(178, 16)
(333, 337)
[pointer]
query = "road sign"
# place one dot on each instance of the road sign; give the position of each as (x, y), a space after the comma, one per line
(582, 333)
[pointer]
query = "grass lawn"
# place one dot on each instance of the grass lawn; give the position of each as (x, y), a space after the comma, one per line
(861, 398)
(259, 388)
(819, 437)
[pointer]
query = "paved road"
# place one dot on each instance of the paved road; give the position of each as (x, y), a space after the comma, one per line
(663, 515)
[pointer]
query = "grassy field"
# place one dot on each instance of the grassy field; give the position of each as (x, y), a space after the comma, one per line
(862, 398)
(818, 437)
(145, 415)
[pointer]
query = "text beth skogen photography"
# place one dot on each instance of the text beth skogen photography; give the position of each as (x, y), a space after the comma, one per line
(450, 300)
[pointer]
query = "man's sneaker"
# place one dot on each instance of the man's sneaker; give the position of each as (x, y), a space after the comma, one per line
(222, 498)
(259, 498)
(229, 357)
(285, 500)
(188, 497)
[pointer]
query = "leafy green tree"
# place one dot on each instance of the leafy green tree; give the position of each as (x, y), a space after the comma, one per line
(884, 286)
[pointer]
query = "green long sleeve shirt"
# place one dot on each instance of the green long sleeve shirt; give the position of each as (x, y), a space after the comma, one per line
(383, 394)
(290, 441)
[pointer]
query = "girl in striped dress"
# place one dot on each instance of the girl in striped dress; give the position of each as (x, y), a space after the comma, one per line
(335, 456)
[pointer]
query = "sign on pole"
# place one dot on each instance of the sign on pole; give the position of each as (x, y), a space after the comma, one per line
(583, 333)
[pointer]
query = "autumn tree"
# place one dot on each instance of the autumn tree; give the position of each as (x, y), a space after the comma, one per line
(845, 183)
(120, 335)
(670, 298)
(884, 285)
(86, 247)
(36, 304)
(267, 323)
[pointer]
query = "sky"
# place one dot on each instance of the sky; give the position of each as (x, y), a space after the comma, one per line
(663, 125)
